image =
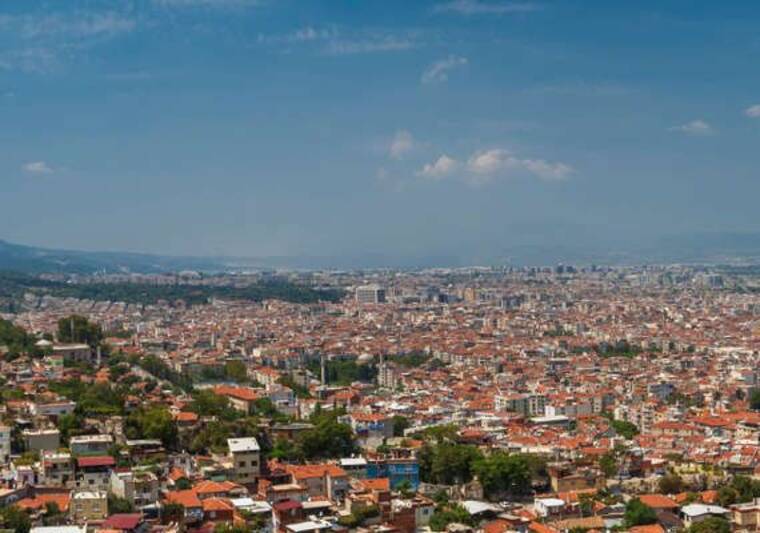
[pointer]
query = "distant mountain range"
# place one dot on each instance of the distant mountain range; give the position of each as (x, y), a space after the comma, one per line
(697, 248)
(32, 259)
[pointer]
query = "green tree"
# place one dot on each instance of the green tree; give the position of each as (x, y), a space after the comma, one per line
(625, 429)
(400, 423)
(746, 488)
(15, 339)
(504, 474)
(53, 515)
(183, 484)
(15, 519)
(76, 328)
(328, 438)
(671, 484)
(70, 425)
(172, 513)
(608, 464)
(455, 514)
(287, 450)
(447, 463)
(711, 525)
(207, 403)
(405, 489)
(155, 422)
(754, 400)
(236, 371)
(727, 496)
(638, 514)
(118, 505)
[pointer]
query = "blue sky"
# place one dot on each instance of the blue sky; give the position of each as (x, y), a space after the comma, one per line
(277, 127)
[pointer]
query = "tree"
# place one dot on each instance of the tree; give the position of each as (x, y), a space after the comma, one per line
(711, 525)
(154, 422)
(455, 514)
(625, 429)
(754, 400)
(76, 328)
(236, 371)
(53, 515)
(287, 450)
(504, 474)
(405, 489)
(671, 484)
(15, 339)
(70, 425)
(208, 403)
(608, 464)
(327, 439)
(400, 423)
(118, 505)
(15, 519)
(727, 496)
(172, 513)
(358, 517)
(447, 463)
(638, 514)
(183, 484)
(746, 488)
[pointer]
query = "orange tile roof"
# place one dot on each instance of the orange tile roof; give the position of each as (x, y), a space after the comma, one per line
(658, 501)
(381, 483)
(652, 528)
(61, 499)
(186, 498)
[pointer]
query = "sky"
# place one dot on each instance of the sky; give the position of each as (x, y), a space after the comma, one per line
(298, 127)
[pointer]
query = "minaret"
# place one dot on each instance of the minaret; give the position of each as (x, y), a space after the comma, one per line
(381, 377)
(322, 369)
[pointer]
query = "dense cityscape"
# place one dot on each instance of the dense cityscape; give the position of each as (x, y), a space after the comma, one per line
(484, 399)
(379, 266)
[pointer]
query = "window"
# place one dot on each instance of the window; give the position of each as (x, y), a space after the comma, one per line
(241, 464)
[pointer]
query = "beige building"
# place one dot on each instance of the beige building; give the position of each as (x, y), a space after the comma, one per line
(245, 456)
(87, 506)
(57, 469)
(39, 440)
(5, 444)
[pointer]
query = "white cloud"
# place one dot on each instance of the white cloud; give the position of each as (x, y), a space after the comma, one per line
(753, 111)
(81, 25)
(695, 127)
(40, 43)
(401, 144)
(34, 59)
(301, 35)
(37, 167)
(547, 171)
(485, 165)
(439, 71)
(369, 44)
(489, 161)
(439, 168)
(478, 7)
(336, 42)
